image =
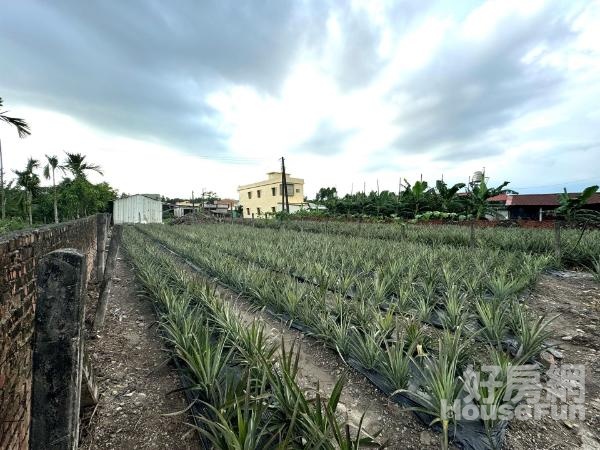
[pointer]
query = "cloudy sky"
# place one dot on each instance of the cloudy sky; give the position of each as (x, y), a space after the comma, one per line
(171, 97)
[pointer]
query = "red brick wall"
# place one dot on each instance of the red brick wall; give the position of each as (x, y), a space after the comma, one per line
(19, 255)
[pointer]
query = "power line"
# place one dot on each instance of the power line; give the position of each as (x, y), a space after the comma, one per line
(232, 159)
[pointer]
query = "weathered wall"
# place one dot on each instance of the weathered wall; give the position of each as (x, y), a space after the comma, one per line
(19, 256)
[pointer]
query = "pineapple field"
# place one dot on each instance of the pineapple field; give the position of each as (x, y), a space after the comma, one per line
(343, 336)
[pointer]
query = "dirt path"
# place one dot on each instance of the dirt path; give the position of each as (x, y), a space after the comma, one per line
(321, 366)
(576, 297)
(134, 379)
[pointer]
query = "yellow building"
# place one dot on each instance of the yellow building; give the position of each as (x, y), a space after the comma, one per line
(264, 197)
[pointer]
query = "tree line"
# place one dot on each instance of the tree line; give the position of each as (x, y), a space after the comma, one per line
(23, 200)
(416, 200)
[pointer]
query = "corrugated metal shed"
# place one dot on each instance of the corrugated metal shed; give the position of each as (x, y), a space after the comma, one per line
(137, 209)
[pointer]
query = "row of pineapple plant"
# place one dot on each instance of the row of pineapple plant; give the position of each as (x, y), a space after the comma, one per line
(387, 342)
(246, 389)
(345, 264)
(529, 240)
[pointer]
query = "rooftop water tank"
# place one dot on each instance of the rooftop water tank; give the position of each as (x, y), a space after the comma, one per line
(477, 177)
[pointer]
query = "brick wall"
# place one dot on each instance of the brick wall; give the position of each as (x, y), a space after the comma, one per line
(19, 256)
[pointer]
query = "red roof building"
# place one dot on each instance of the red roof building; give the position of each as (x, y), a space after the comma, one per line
(533, 206)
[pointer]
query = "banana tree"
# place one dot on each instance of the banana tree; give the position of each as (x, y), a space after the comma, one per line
(448, 195)
(478, 198)
(416, 195)
(573, 210)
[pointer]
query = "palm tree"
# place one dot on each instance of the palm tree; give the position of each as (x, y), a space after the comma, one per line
(52, 165)
(23, 130)
(29, 181)
(75, 163)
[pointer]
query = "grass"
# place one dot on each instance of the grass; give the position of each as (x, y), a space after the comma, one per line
(595, 268)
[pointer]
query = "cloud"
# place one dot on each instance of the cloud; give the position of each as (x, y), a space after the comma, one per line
(372, 88)
(143, 68)
(327, 139)
(479, 80)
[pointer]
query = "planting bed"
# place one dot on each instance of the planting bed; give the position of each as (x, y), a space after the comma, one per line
(408, 313)
(577, 248)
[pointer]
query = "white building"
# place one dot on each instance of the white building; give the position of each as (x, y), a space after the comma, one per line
(137, 208)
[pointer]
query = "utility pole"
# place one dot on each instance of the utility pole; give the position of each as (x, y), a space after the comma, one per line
(282, 185)
(284, 192)
(192, 201)
(399, 193)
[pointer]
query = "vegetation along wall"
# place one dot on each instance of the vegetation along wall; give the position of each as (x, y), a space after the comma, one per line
(19, 257)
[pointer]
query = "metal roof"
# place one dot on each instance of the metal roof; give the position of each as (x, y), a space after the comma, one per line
(544, 199)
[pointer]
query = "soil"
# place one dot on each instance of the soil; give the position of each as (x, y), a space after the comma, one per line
(576, 332)
(135, 378)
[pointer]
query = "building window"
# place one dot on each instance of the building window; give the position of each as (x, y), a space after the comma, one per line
(249, 194)
(258, 211)
(272, 207)
(290, 189)
(273, 191)
(258, 193)
(297, 191)
(247, 211)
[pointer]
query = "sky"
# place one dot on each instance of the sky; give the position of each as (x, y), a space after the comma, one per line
(182, 96)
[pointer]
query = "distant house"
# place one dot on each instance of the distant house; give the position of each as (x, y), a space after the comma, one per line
(498, 202)
(535, 206)
(306, 206)
(222, 207)
(228, 203)
(184, 207)
(139, 208)
(264, 197)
